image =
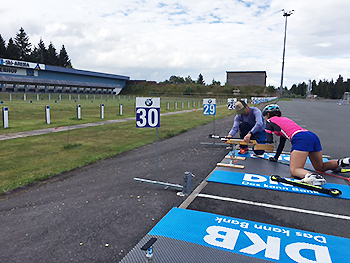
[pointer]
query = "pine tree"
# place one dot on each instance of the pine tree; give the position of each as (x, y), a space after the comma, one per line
(12, 51)
(23, 45)
(33, 55)
(63, 59)
(52, 58)
(188, 80)
(339, 87)
(41, 53)
(2, 47)
(200, 79)
(19, 48)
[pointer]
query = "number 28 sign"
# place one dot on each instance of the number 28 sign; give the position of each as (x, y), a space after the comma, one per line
(147, 112)
(209, 106)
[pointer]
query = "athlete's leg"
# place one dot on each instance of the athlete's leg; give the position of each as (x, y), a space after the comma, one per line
(260, 137)
(317, 162)
(297, 163)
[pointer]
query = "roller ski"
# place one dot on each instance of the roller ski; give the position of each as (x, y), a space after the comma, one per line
(341, 170)
(301, 184)
(336, 172)
(344, 165)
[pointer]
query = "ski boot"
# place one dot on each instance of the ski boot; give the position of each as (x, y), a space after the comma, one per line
(314, 179)
(344, 162)
(243, 151)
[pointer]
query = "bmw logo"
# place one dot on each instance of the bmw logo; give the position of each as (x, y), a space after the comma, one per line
(149, 102)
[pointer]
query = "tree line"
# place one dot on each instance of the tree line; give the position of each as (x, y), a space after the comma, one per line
(325, 89)
(20, 48)
(180, 86)
(188, 80)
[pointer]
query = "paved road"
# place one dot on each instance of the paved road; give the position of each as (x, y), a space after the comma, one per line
(310, 115)
(318, 216)
(97, 213)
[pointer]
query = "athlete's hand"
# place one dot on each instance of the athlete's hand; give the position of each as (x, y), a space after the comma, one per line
(247, 138)
(273, 159)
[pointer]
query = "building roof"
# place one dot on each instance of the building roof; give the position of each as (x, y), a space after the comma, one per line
(246, 71)
(84, 72)
(46, 75)
(49, 82)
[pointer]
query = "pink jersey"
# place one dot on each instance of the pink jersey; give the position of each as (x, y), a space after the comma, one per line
(283, 126)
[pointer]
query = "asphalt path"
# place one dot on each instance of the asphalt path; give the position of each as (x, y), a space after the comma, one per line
(315, 214)
(97, 213)
(323, 215)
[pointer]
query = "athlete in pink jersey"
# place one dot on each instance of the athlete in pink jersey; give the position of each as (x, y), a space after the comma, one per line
(304, 144)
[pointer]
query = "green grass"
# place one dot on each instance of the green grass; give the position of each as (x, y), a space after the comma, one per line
(30, 159)
(30, 114)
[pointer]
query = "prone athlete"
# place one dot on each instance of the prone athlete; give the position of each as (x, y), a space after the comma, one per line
(304, 144)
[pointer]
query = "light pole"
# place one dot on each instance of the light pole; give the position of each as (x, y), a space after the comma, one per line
(286, 14)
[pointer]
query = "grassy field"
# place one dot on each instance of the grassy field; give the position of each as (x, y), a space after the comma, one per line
(29, 114)
(25, 160)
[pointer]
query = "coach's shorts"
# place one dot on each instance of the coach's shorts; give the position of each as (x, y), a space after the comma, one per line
(306, 141)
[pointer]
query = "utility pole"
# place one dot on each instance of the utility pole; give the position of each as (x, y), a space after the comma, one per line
(286, 14)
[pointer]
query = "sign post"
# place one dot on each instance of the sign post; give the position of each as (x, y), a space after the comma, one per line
(121, 109)
(147, 112)
(209, 108)
(148, 116)
(231, 103)
(102, 111)
(47, 114)
(5, 117)
(79, 112)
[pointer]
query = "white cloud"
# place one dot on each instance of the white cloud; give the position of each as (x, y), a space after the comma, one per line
(153, 40)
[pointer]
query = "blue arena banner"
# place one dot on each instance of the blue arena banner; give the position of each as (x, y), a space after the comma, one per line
(252, 239)
(263, 181)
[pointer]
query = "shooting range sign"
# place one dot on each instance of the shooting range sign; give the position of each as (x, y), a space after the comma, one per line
(209, 106)
(231, 103)
(147, 112)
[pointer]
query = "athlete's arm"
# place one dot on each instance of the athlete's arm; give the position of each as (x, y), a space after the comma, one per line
(280, 147)
(270, 129)
(269, 132)
(259, 121)
(235, 126)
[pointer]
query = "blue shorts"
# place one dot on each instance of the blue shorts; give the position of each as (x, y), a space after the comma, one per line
(306, 141)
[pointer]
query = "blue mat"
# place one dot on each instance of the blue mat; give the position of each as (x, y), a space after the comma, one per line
(283, 157)
(263, 181)
(252, 239)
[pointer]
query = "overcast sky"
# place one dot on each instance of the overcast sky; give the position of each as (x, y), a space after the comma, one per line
(154, 39)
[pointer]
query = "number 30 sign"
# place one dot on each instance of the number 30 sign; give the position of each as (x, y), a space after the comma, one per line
(147, 112)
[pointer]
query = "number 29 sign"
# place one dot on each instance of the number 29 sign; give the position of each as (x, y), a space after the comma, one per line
(147, 112)
(209, 106)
